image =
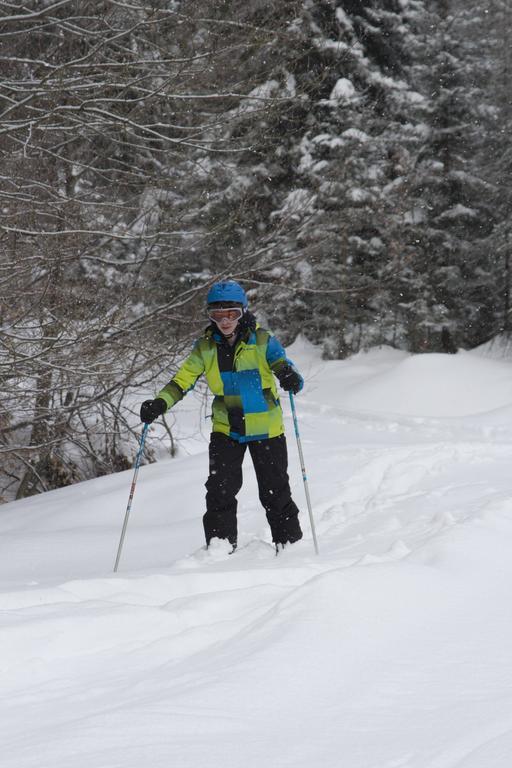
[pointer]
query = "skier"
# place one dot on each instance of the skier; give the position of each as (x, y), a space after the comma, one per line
(239, 360)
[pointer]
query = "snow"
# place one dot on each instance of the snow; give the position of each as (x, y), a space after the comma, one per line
(343, 91)
(391, 649)
(459, 211)
(256, 98)
(297, 203)
(358, 195)
(343, 19)
(327, 140)
(356, 135)
(437, 389)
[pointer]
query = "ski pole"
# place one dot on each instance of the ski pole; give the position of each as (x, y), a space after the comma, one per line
(303, 468)
(132, 491)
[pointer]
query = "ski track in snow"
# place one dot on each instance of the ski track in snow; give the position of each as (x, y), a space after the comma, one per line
(389, 650)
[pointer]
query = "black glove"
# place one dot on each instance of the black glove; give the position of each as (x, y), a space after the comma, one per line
(290, 380)
(152, 409)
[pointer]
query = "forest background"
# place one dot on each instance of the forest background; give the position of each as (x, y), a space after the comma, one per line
(347, 160)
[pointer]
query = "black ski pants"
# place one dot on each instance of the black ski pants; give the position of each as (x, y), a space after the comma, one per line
(270, 460)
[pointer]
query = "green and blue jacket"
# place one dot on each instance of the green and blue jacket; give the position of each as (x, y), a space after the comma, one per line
(241, 377)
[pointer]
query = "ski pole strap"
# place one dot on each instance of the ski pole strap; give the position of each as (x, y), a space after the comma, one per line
(294, 414)
(141, 446)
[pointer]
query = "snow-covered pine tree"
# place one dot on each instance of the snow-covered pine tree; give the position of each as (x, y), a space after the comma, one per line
(326, 126)
(496, 161)
(444, 293)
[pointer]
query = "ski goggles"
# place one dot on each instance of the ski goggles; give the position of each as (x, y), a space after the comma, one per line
(226, 313)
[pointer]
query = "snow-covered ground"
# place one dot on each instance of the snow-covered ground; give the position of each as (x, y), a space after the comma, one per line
(392, 649)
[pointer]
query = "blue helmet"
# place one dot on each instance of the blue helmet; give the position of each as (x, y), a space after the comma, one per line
(227, 291)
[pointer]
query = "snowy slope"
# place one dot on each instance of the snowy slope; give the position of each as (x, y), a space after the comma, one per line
(389, 650)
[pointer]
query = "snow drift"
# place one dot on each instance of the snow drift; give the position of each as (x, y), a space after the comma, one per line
(391, 649)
